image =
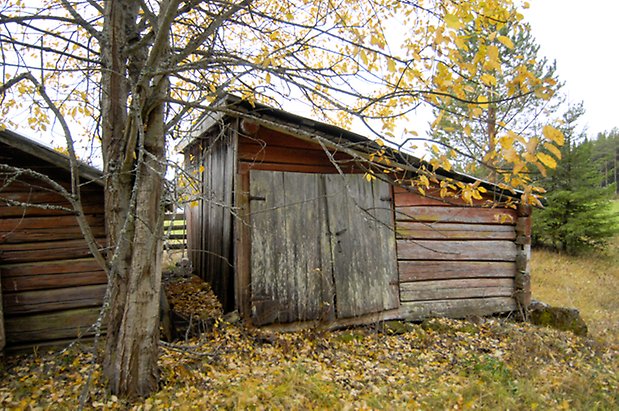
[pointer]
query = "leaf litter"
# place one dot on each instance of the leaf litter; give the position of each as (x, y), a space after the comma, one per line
(438, 364)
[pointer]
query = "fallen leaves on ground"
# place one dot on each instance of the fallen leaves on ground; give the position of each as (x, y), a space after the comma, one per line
(439, 364)
(192, 297)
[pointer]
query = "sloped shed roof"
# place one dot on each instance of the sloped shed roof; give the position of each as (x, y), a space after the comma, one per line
(334, 136)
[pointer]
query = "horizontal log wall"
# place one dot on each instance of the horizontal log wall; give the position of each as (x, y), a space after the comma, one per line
(52, 288)
(272, 150)
(454, 259)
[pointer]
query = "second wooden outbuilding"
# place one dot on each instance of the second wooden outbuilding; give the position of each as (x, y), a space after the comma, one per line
(288, 229)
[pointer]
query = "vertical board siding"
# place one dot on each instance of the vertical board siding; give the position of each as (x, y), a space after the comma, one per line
(48, 276)
(453, 258)
(209, 240)
(290, 279)
(364, 259)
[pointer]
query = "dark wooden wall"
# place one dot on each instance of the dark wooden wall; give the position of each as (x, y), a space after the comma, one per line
(276, 151)
(52, 288)
(454, 259)
(209, 241)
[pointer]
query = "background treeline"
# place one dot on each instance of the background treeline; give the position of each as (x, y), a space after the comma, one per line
(605, 155)
(579, 213)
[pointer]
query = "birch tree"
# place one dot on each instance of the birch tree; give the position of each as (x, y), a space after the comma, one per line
(135, 74)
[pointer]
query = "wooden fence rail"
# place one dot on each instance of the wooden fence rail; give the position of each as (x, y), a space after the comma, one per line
(175, 231)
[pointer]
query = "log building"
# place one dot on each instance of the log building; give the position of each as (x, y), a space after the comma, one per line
(289, 232)
(52, 288)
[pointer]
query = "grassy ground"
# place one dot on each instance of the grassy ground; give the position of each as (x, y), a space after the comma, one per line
(441, 364)
(589, 283)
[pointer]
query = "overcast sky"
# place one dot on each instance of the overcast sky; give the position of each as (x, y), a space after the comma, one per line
(583, 37)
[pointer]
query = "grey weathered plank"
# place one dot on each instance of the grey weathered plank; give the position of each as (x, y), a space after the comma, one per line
(210, 223)
(363, 245)
(472, 250)
(476, 215)
(451, 231)
(456, 308)
(290, 275)
(442, 270)
(459, 288)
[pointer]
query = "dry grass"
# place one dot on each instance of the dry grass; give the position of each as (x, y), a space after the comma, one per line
(589, 283)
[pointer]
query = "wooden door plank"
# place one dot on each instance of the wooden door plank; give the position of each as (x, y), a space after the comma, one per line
(473, 250)
(363, 245)
(289, 273)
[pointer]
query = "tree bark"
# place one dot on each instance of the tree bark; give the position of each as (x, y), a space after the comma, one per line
(133, 151)
(492, 142)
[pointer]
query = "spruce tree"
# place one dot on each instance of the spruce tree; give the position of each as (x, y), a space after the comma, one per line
(577, 214)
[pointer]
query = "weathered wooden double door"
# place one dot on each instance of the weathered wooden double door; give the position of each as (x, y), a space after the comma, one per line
(322, 247)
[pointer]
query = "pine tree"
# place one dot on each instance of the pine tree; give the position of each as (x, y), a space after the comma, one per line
(577, 214)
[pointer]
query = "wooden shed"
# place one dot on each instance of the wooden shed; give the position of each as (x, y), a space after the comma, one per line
(288, 230)
(52, 288)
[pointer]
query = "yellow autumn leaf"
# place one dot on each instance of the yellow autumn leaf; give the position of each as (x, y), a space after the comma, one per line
(554, 150)
(553, 134)
(506, 41)
(364, 57)
(453, 22)
(488, 79)
(467, 196)
(391, 65)
(547, 160)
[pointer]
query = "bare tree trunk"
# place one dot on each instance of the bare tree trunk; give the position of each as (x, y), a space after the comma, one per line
(133, 148)
(492, 142)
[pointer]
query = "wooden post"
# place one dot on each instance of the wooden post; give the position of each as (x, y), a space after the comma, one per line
(522, 289)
